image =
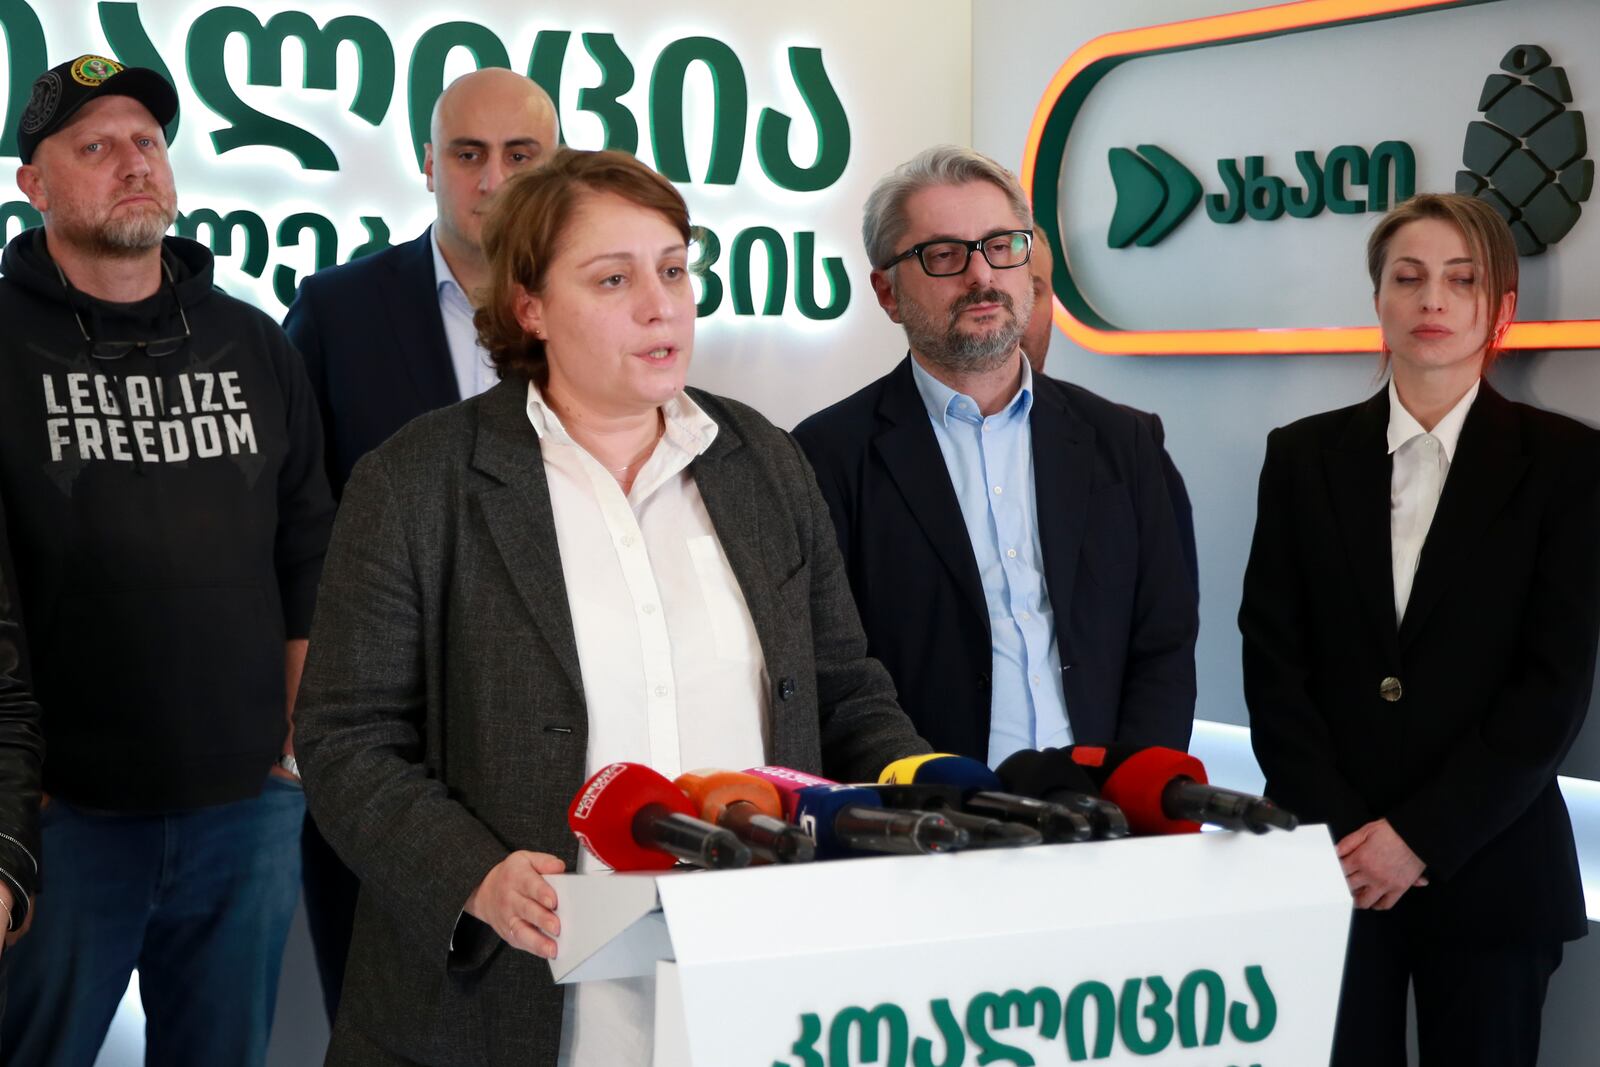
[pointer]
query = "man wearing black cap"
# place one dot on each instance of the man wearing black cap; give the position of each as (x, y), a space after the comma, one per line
(161, 461)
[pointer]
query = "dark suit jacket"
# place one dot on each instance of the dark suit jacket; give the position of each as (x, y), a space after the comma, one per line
(1495, 658)
(441, 722)
(1177, 493)
(1124, 603)
(375, 349)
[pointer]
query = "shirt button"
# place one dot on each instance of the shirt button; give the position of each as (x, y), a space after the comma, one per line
(1011, 553)
(1024, 616)
(627, 540)
(987, 427)
(1036, 679)
(661, 690)
(998, 490)
(649, 609)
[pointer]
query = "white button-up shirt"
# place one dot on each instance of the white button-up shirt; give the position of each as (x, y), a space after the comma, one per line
(673, 672)
(474, 372)
(1421, 463)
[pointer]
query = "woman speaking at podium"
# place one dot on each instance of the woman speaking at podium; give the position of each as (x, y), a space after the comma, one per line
(1420, 616)
(587, 563)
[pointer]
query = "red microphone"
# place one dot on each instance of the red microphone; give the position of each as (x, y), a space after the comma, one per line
(633, 819)
(1164, 791)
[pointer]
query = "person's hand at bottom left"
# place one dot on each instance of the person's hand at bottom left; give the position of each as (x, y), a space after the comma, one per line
(516, 902)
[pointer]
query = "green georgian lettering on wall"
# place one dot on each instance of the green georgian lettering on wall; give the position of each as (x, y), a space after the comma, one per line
(22, 212)
(709, 254)
(1390, 174)
(833, 129)
(25, 52)
(208, 37)
(222, 227)
(425, 80)
(326, 250)
(730, 105)
(604, 101)
(777, 270)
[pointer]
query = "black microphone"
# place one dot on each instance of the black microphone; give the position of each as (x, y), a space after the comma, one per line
(980, 791)
(985, 832)
(1053, 777)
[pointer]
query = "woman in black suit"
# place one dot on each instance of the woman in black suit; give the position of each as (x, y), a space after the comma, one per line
(1420, 617)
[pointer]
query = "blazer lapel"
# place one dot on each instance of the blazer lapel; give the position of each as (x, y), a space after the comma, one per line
(728, 488)
(1359, 471)
(911, 455)
(1487, 467)
(1063, 468)
(517, 512)
(411, 302)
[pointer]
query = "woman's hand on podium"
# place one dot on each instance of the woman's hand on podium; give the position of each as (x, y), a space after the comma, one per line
(517, 903)
(1379, 866)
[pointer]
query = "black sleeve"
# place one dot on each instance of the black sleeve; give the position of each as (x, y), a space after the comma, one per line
(305, 508)
(1158, 687)
(1182, 510)
(1290, 737)
(21, 748)
(303, 325)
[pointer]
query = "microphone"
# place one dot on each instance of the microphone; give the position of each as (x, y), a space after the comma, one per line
(984, 831)
(633, 819)
(980, 793)
(1052, 776)
(1164, 791)
(752, 809)
(847, 820)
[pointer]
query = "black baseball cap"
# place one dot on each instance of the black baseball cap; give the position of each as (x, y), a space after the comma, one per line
(62, 90)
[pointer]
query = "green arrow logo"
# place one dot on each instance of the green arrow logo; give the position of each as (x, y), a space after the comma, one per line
(1154, 193)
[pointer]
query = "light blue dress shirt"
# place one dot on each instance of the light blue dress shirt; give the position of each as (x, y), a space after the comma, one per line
(470, 360)
(990, 461)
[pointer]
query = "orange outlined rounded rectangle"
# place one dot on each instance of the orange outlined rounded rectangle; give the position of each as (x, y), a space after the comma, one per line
(1041, 179)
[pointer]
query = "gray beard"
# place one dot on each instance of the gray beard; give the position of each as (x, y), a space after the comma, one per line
(948, 348)
(131, 236)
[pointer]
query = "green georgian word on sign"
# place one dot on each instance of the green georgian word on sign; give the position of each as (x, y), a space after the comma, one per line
(1155, 192)
(1147, 1017)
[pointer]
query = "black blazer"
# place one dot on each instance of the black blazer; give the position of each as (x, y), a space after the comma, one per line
(1495, 659)
(375, 349)
(1123, 597)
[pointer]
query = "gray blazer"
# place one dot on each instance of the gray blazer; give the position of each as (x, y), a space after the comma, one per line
(441, 722)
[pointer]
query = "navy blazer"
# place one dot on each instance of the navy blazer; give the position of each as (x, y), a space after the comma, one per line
(375, 348)
(1491, 668)
(1124, 602)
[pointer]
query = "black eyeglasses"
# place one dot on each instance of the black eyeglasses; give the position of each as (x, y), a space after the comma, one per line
(948, 256)
(160, 346)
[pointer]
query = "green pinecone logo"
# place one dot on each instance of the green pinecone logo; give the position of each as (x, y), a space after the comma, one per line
(1525, 157)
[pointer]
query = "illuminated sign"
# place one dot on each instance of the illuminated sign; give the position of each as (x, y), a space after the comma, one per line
(757, 257)
(1523, 152)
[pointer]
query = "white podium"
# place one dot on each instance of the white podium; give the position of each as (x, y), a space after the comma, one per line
(1207, 950)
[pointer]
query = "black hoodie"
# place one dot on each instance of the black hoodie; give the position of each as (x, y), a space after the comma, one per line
(168, 516)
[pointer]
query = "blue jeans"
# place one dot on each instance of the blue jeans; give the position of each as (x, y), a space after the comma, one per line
(199, 901)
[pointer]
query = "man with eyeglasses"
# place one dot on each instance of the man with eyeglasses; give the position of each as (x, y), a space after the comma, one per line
(1009, 537)
(161, 462)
